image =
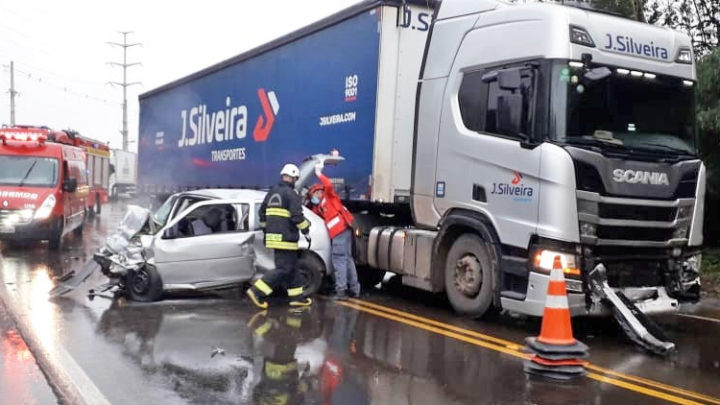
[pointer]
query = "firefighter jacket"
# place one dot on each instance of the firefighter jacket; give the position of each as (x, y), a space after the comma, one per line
(331, 209)
(281, 215)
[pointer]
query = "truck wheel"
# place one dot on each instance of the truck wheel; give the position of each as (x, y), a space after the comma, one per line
(369, 277)
(469, 275)
(144, 285)
(55, 240)
(312, 273)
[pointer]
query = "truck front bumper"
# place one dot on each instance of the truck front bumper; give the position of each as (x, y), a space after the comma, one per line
(650, 300)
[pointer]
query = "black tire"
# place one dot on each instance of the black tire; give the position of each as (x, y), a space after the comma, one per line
(312, 272)
(55, 240)
(144, 285)
(469, 272)
(369, 277)
(98, 207)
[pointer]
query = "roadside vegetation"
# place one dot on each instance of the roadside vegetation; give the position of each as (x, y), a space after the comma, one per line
(710, 275)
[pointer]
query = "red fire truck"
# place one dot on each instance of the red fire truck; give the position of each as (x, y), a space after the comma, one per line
(46, 189)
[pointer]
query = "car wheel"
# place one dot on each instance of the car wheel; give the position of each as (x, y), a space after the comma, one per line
(469, 275)
(312, 273)
(144, 284)
(55, 240)
(368, 277)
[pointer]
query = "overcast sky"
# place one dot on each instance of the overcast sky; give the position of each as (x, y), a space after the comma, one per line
(60, 51)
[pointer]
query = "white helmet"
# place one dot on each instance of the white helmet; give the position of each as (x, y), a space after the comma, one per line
(290, 170)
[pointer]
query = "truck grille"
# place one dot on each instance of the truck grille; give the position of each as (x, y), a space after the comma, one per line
(614, 221)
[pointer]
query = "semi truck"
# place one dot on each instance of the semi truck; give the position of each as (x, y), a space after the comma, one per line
(123, 177)
(482, 140)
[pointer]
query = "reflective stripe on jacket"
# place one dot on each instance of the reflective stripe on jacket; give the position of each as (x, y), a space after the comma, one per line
(281, 216)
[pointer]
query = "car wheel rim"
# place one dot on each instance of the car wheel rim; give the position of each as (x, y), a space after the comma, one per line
(468, 275)
(141, 282)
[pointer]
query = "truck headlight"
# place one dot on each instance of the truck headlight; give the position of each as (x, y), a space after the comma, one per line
(45, 208)
(544, 260)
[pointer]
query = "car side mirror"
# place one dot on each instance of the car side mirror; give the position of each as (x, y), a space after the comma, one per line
(509, 115)
(170, 233)
(69, 185)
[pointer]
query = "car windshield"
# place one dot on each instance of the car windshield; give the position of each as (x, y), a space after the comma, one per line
(626, 111)
(31, 171)
(161, 215)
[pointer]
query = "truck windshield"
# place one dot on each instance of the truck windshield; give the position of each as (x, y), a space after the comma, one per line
(30, 171)
(626, 111)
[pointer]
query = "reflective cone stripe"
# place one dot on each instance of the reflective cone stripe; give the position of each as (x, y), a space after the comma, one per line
(545, 362)
(556, 327)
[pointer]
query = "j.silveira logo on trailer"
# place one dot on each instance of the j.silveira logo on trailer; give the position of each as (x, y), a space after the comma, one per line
(516, 190)
(226, 125)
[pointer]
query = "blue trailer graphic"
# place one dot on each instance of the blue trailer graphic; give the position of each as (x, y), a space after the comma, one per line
(236, 125)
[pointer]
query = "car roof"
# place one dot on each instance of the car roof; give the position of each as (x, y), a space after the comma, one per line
(228, 193)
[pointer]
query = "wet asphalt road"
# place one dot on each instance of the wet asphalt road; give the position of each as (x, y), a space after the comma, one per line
(397, 346)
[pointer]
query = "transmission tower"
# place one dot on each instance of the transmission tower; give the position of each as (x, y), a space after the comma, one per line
(124, 84)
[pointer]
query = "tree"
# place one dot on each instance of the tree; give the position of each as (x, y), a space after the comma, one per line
(700, 19)
(708, 123)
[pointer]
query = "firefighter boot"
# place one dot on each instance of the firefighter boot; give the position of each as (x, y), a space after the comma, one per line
(259, 302)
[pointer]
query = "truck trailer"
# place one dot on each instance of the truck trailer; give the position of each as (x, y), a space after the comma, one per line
(482, 140)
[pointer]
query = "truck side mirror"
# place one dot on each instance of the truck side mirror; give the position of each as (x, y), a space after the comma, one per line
(69, 185)
(509, 115)
(509, 79)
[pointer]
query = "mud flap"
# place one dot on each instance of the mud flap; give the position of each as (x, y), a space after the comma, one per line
(636, 325)
(68, 284)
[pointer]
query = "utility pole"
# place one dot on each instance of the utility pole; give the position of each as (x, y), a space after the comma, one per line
(125, 45)
(13, 93)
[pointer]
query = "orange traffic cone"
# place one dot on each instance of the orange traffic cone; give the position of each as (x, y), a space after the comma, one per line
(557, 353)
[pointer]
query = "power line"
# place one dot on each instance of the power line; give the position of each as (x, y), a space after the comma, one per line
(61, 87)
(125, 45)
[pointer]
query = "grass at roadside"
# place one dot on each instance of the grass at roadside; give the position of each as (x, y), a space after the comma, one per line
(710, 273)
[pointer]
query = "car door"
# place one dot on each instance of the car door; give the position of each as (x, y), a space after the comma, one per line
(189, 253)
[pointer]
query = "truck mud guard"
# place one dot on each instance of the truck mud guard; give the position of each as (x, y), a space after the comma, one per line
(637, 326)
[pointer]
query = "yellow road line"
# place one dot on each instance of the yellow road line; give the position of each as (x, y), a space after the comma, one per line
(513, 348)
(647, 391)
(493, 339)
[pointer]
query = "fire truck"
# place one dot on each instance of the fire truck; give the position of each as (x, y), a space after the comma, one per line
(50, 181)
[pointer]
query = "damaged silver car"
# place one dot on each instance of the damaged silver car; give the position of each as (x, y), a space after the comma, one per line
(201, 240)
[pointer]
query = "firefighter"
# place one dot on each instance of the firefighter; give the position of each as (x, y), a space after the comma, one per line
(281, 217)
(325, 202)
(283, 380)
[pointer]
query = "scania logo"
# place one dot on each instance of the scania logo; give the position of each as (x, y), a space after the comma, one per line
(5, 204)
(640, 176)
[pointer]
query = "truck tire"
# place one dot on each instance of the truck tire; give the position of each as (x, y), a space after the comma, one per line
(369, 277)
(55, 240)
(469, 275)
(312, 273)
(144, 285)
